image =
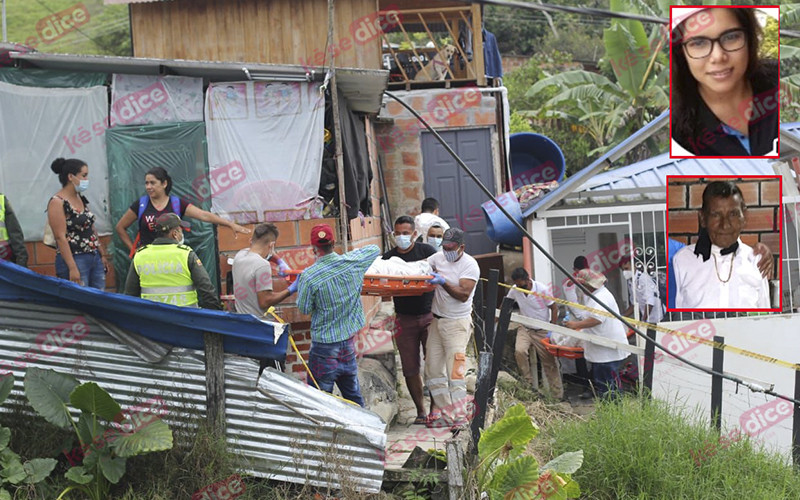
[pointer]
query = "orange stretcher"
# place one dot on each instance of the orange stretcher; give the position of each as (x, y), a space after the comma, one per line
(382, 285)
(567, 352)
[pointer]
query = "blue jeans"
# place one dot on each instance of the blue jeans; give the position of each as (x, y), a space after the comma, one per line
(606, 378)
(90, 265)
(336, 362)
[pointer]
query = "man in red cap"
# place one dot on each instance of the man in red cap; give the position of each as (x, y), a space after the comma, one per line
(330, 291)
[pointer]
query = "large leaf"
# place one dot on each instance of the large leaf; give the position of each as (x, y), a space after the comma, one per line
(4, 494)
(789, 52)
(521, 472)
(14, 473)
(5, 437)
(629, 54)
(112, 468)
(8, 457)
(570, 79)
(790, 14)
(38, 469)
(567, 463)
(79, 475)
(48, 392)
(6, 384)
(91, 398)
(515, 429)
(155, 436)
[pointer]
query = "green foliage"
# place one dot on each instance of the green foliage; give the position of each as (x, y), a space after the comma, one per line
(770, 40)
(12, 470)
(638, 448)
(518, 123)
(503, 472)
(102, 429)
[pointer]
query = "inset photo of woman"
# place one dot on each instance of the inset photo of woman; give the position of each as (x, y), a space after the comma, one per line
(724, 82)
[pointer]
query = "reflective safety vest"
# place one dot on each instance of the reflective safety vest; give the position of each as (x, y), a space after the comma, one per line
(5, 247)
(164, 274)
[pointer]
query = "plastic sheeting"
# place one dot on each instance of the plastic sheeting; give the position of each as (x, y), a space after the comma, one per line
(38, 125)
(265, 149)
(49, 78)
(180, 149)
(141, 99)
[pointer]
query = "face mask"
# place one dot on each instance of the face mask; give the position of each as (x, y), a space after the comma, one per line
(627, 274)
(271, 249)
(180, 241)
(82, 186)
(403, 241)
(450, 255)
(436, 243)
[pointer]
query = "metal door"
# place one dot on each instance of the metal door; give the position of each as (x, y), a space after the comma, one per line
(459, 197)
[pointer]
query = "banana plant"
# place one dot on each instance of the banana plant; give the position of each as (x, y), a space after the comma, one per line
(12, 470)
(503, 473)
(106, 434)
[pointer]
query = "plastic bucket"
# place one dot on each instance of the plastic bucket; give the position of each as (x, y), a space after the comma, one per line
(498, 227)
(535, 158)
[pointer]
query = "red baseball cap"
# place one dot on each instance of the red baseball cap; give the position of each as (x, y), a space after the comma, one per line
(322, 235)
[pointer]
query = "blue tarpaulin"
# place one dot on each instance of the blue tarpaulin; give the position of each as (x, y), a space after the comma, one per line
(243, 334)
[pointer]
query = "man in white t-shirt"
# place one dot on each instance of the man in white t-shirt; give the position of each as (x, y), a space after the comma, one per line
(537, 307)
(605, 360)
(429, 217)
(719, 271)
(456, 273)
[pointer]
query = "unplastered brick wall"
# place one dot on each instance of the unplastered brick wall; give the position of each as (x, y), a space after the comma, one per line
(400, 145)
(42, 259)
(761, 195)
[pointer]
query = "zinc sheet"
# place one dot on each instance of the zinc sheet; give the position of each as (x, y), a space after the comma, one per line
(281, 428)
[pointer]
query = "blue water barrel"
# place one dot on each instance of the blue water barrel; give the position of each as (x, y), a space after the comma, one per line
(535, 158)
(498, 227)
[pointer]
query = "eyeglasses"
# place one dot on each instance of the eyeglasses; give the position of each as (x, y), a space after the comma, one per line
(700, 47)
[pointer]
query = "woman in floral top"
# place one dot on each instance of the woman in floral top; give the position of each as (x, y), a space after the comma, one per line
(79, 255)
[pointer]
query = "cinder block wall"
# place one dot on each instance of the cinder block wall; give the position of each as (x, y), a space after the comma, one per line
(761, 195)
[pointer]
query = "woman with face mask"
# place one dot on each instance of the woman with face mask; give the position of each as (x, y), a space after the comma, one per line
(79, 255)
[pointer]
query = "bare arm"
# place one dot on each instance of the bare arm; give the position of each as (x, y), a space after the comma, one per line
(269, 298)
(461, 291)
(553, 313)
(122, 228)
(584, 323)
(199, 214)
(58, 223)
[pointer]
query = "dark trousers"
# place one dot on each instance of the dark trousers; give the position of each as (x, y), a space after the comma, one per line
(336, 363)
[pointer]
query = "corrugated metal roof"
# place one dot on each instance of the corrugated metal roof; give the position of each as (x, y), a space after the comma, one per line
(289, 432)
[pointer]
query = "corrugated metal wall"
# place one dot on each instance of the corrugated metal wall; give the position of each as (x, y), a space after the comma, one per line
(283, 429)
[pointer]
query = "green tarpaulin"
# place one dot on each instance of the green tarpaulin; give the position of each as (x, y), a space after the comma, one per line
(181, 149)
(51, 78)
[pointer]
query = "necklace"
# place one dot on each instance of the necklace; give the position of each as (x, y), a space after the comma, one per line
(730, 272)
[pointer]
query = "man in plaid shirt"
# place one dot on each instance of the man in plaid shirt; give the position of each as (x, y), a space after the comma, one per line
(330, 290)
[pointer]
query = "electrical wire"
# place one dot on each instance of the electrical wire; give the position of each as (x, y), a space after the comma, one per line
(753, 387)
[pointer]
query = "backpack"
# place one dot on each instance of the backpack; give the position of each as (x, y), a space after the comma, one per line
(174, 201)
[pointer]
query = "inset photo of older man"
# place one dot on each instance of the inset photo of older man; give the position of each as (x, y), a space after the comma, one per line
(730, 232)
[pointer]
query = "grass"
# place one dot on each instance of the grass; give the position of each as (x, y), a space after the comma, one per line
(642, 449)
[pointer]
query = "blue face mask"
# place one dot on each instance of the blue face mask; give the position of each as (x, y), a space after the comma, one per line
(82, 186)
(403, 241)
(436, 243)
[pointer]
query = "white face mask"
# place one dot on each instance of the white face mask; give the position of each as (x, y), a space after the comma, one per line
(181, 240)
(271, 249)
(403, 241)
(627, 274)
(435, 242)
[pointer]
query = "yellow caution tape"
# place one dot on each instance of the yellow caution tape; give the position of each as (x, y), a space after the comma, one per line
(678, 333)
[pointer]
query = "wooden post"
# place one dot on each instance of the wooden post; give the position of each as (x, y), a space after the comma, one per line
(490, 305)
(500, 341)
(481, 396)
(716, 385)
(215, 381)
(455, 469)
(478, 330)
(649, 360)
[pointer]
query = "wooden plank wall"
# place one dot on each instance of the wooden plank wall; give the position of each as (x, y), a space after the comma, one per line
(271, 31)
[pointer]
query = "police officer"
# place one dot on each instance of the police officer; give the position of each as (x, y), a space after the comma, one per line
(12, 246)
(168, 271)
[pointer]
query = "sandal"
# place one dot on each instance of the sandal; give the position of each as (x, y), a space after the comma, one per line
(434, 419)
(420, 420)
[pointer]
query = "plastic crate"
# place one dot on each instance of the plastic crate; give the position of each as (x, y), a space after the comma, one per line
(387, 285)
(567, 352)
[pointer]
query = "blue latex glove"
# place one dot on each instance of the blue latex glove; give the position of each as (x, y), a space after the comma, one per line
(437, 279)
(549, 335)
(283, 267)
(293, 287)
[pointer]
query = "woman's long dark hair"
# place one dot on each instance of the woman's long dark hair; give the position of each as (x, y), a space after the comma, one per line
(161, 174)
(685, 97)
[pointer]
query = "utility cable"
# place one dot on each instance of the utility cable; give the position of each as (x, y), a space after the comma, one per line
(617, 315)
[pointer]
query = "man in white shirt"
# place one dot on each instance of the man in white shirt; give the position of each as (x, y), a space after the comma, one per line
(456, 273)
(429, 216)
(537, 307)
(646, 290)
(605, 360)
(719, 271)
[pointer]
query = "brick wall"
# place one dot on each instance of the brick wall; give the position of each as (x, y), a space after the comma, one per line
(761, 195)
(42, 259)
(400, 144)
